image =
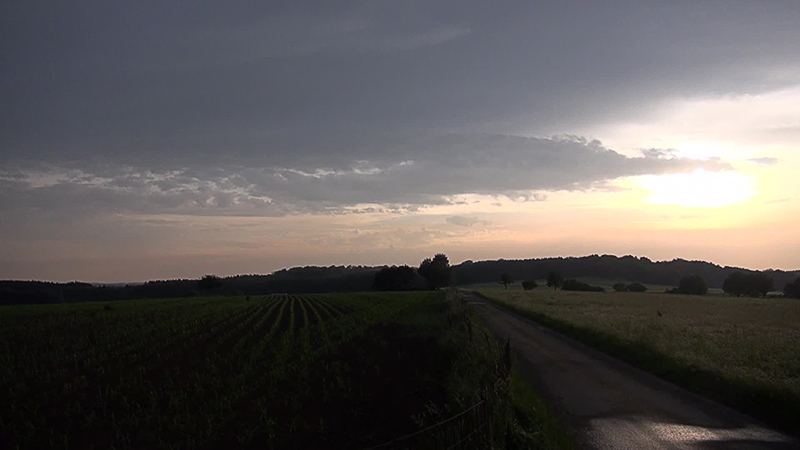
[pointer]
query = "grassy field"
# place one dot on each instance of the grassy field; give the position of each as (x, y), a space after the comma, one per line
(742, 351)
(280, 371)
(602, 282)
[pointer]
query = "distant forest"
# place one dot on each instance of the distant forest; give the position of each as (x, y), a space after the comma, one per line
(626, 268)
(305, 280)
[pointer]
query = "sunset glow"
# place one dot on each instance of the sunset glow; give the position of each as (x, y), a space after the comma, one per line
(699, 189)
(379, 133)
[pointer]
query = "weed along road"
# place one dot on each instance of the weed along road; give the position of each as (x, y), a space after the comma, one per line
(611, 405)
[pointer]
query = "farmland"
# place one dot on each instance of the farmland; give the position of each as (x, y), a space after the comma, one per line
(742, 351)
(278, 371)
(605, 283)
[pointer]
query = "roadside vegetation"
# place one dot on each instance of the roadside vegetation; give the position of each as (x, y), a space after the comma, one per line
(744, 352)
(414, 370)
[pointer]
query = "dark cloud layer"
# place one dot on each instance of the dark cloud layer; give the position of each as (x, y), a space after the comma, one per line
(152, 82)
(289, 107)
(281, 107)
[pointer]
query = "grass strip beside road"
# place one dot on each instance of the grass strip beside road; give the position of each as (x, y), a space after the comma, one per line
(768, 400)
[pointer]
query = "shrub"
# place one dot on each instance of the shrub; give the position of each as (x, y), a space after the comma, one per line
(529, 285)
(555, 280)
(692, 285)
(575, 285)
(636, 287)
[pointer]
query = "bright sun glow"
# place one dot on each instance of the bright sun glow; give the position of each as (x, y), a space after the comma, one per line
(699, 189)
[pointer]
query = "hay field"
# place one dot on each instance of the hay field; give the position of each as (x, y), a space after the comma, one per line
(741, 351)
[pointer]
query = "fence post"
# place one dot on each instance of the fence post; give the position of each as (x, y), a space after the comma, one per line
(507, 357)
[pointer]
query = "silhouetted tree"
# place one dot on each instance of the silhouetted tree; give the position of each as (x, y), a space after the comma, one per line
(555, 280)
(735, 284)
(756, 284)
(636, 287)
(792, 290)
(505, 280)
(760, 284)
(620, 287)
(437, 271)
(691, 285)
(395, 278)
(209, 283)
(529, 285)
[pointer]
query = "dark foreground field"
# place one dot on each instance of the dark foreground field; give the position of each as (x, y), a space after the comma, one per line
(329, 371)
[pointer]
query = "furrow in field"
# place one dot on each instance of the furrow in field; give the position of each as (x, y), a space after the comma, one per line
(297, 308)
(263, 326)
(325, 312)
(314, 316)
(242, 331)
(196, 341)
(165, 334)
(127, 386)
(286, 319)
(335, 306)
(142, 355)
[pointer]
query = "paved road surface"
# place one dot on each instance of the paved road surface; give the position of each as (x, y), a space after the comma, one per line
(612, 405)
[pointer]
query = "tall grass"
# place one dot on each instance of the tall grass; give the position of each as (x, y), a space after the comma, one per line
(741, 351)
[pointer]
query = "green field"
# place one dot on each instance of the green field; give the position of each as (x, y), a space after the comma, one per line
(280, 371)
(602, 282)
(741, 351)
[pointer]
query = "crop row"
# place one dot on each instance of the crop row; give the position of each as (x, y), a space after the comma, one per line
(154, 372)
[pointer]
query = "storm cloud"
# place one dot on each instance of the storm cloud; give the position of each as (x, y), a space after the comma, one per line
(151, 84)
(287, 108)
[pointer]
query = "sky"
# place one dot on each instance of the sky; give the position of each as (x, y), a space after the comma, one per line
(151, 139)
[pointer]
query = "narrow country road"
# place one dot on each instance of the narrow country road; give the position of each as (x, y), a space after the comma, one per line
(611, 405)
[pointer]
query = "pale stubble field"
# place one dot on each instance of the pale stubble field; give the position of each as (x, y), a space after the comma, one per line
(741, 351)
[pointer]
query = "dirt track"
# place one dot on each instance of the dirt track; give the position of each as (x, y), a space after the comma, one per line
(611, 405)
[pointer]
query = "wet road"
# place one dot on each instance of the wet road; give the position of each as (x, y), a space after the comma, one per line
(611, 405)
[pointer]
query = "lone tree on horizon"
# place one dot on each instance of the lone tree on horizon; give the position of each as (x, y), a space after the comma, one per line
(437, 271)
(505, 280)
(555, 280)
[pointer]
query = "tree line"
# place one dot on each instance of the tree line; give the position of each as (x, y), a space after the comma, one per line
(318, 279)
(753, 284)
(628, 268)
(297, 280)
